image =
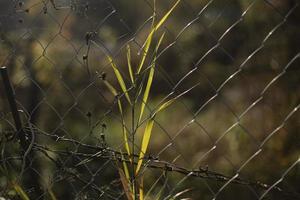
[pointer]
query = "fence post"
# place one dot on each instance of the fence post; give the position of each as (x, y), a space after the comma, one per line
(13, 107)
(21, 135)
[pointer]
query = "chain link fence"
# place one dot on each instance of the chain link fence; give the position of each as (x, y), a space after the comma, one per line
(223, 102)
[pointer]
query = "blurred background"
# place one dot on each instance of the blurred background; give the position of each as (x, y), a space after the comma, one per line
(240, 58)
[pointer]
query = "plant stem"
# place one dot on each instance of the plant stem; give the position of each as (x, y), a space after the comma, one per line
(133, 130)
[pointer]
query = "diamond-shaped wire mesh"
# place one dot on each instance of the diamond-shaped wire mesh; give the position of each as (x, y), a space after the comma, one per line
(224, 99)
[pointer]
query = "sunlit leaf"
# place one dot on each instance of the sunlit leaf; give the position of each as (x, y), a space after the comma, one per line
(125, 138)
(149, 82)
(150, 36)
(165, 17)
(111, 88)
(20, 191)
(51, 194)
(164, 105)
(119, 78)
(145, 142)
(145, 50)
(125, 168)
(141, 188)
(146, 93)
(129, 64)
(125, 135)
(158, 44)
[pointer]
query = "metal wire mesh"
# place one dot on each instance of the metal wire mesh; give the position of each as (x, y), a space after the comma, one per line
(232, 68)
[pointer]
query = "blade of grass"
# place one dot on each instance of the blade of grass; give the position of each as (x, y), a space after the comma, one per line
(125, 168)
(150, 79)
(150, 36)
(158, 44)
(111, 88)
(20, 191)
(146, 45)
(147, 133)
(119, 78)
(169, 102)
(165, 17)
(164, 106)
(145, 143)
(145, 50)
(125, 135)
(125, 138)
(52, 195)
(146, 93)
(141, 188)
(129, 64)
(126, 185)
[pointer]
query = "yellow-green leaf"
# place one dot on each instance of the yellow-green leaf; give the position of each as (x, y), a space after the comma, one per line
(164, 105)
(159, 42)
(125, 168)
(125, 136)
(166, 16)
(119, 78)
(146, 93)
(129, 64)
(150, 36)
(20, 191)
(141, 188)
(145, 142)
(150, 79)
(145, 50)
(111, 88)
(51, 194)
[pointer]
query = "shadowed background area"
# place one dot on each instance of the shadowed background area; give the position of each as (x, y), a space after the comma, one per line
(236, 64)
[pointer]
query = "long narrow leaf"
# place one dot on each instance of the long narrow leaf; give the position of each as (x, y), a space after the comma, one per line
(51, 194)
(145, 50)
(150, 36)
(129, 64)
(141, 188)
(125, 136)
(164, 105)
(119, 78)
(146, 45)
(158, 44)
(145, 142)
(165, 17)
(150, 79)
(125, 168)
(125, 184)
(169, 102)
(111, 88)
(20, 191)
(146, 93)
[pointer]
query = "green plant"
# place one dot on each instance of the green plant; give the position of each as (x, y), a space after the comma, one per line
(132, 180)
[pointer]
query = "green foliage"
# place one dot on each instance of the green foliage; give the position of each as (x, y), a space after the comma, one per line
(124, 174)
